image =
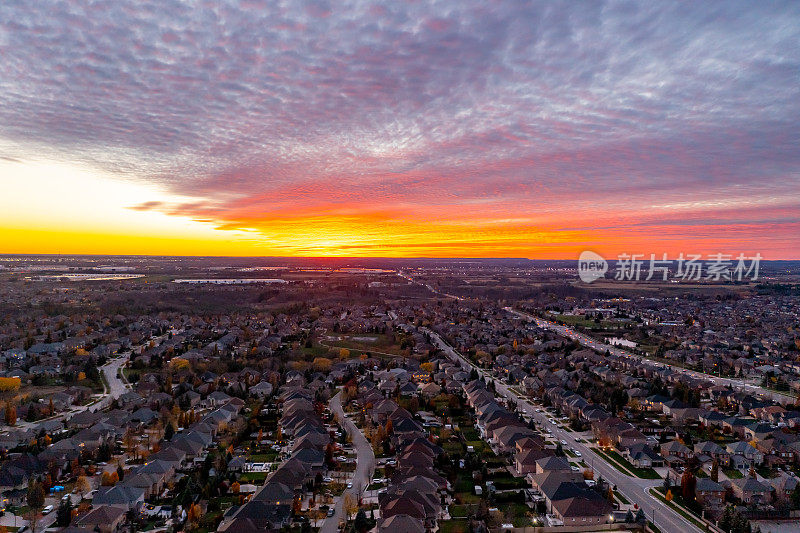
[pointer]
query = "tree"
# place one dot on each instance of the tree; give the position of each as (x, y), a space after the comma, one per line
(715, 471)
(795, 498)
(350, 505)
(9, 384)
(82, 484)
(726, 520)
(35, 500)
(120, 472)
(667, 483)
(322, 364)
(169, 432)
(64, 513)
(194, 514)
(235, 487)
(178, 363)
(688, 483)
(344, 353)
(668, 497)
(10, 414)
(361, 524)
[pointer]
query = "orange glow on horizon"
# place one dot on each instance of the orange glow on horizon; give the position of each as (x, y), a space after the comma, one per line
(55, 208)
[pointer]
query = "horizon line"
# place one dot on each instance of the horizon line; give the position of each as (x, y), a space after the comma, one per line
(341, 257)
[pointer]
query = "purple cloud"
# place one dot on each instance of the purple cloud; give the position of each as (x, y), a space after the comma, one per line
(268, 109)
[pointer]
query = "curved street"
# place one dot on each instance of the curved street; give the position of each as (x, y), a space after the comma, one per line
(365, 466)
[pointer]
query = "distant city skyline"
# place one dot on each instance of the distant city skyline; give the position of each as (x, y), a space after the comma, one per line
(457, 129)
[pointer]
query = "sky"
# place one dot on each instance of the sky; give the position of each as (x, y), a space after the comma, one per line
(448, 128)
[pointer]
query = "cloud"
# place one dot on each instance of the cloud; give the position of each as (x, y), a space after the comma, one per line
(147, 206)
(268, 111)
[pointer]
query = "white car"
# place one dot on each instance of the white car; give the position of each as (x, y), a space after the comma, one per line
(576, 452)
(563, 442)
(47, 510)
(349, 484)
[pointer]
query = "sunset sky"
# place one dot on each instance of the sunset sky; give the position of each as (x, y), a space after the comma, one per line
(442, 129)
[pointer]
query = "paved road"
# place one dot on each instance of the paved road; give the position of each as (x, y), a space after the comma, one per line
(633, 488)
(602, 347)
(365, 465)
(116, 387)
(585, 340)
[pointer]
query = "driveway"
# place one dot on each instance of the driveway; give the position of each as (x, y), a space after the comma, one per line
(365, 466)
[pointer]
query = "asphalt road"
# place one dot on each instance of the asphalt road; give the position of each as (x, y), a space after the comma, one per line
(365, 466)
(116, 387)
(602, 347)
(633, 488)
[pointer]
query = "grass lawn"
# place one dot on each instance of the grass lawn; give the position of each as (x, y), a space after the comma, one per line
(264, 457)
(470, 433)
(506, 481)
(253, 477)
(467, 497)
(454, 526)
(687, 515)
(622, 465)
(453, 448)
(368, 342)
(732, 473)
(460, 511)
(478, 445)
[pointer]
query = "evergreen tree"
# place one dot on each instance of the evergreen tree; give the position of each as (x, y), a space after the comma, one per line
(725, 521)
(361, 523)
(64, 513)
(169, 432)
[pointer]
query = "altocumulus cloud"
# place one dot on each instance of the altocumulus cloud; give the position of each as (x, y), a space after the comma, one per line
(269, 109)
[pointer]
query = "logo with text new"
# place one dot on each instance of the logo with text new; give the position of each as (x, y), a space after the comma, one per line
(591, 266)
